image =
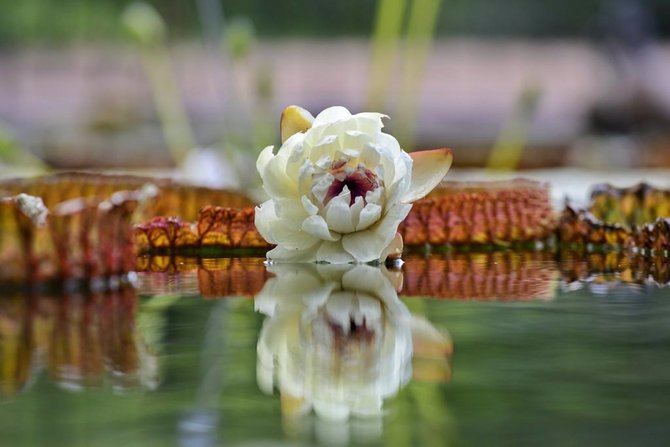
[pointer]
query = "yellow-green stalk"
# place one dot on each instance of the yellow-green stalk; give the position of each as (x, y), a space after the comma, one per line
(388, 20)
(148, 30)
(508, 149)
(420, 33)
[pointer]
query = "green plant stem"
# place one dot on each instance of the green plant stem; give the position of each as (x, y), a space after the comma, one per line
(420, 34)
(508, 149)
(388, 20)
(169, 107)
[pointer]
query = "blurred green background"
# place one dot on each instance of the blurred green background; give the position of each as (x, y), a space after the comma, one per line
(63, 20)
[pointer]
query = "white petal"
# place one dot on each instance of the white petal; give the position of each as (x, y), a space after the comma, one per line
(338, 214)
(369, 122)
(305, 176)
(289, 146)
(275, 181)
(331, 115)
(283, 254)
(334, 253)
(368, 245)
(295, 162)
(317, 227)
(356, 209)
(373, 116)
(321, 184)
(355, 139)
(397, 190)
(346, 154)
(369, 215)
(395, 162)
(290, 236)
(324, 162)
(370, 156)
(325, 148)
(291, 211)
(375, 196)
(263, 158)
(308, 206)
(264, 218)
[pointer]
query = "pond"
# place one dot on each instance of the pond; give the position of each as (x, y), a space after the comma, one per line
(449, 349)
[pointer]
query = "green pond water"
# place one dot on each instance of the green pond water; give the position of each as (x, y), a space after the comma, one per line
(334, 357)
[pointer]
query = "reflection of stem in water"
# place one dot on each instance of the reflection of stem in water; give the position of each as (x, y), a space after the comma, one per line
(199, 426)
(212, 358)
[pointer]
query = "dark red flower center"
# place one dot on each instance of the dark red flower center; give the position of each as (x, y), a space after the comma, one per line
(359, 181)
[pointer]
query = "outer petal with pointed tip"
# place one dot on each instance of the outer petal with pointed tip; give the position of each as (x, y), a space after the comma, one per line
(294, 119)
(428, 170)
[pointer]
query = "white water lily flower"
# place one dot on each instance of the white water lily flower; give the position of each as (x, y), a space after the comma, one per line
(336, 340)
(339, 187)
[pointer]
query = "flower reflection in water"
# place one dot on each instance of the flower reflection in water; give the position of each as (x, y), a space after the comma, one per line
(337, 340)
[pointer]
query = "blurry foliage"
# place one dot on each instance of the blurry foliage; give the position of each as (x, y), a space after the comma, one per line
(53, 20)
(12, 153)
(508, 149)
(144, 24)
(239, 37)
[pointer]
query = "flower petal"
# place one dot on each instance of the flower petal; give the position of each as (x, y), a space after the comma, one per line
(264, 158)
(331, 115)
(322, 152)
(264, 218)
(305, 177)
(290, 236)
(309, 207)
(370, 122)
(429, 168)
(291, 210)
(356, 209)
(283, 254)
(334, 253)
(355, 139)
(275, 181)
(370, 156)
(369, 215)
(375, 195)
(320, 186)
(338, 214)
(317, 227)
(294, 119)
(368, 245)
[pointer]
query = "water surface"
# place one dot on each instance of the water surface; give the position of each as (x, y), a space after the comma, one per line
(454, 349)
